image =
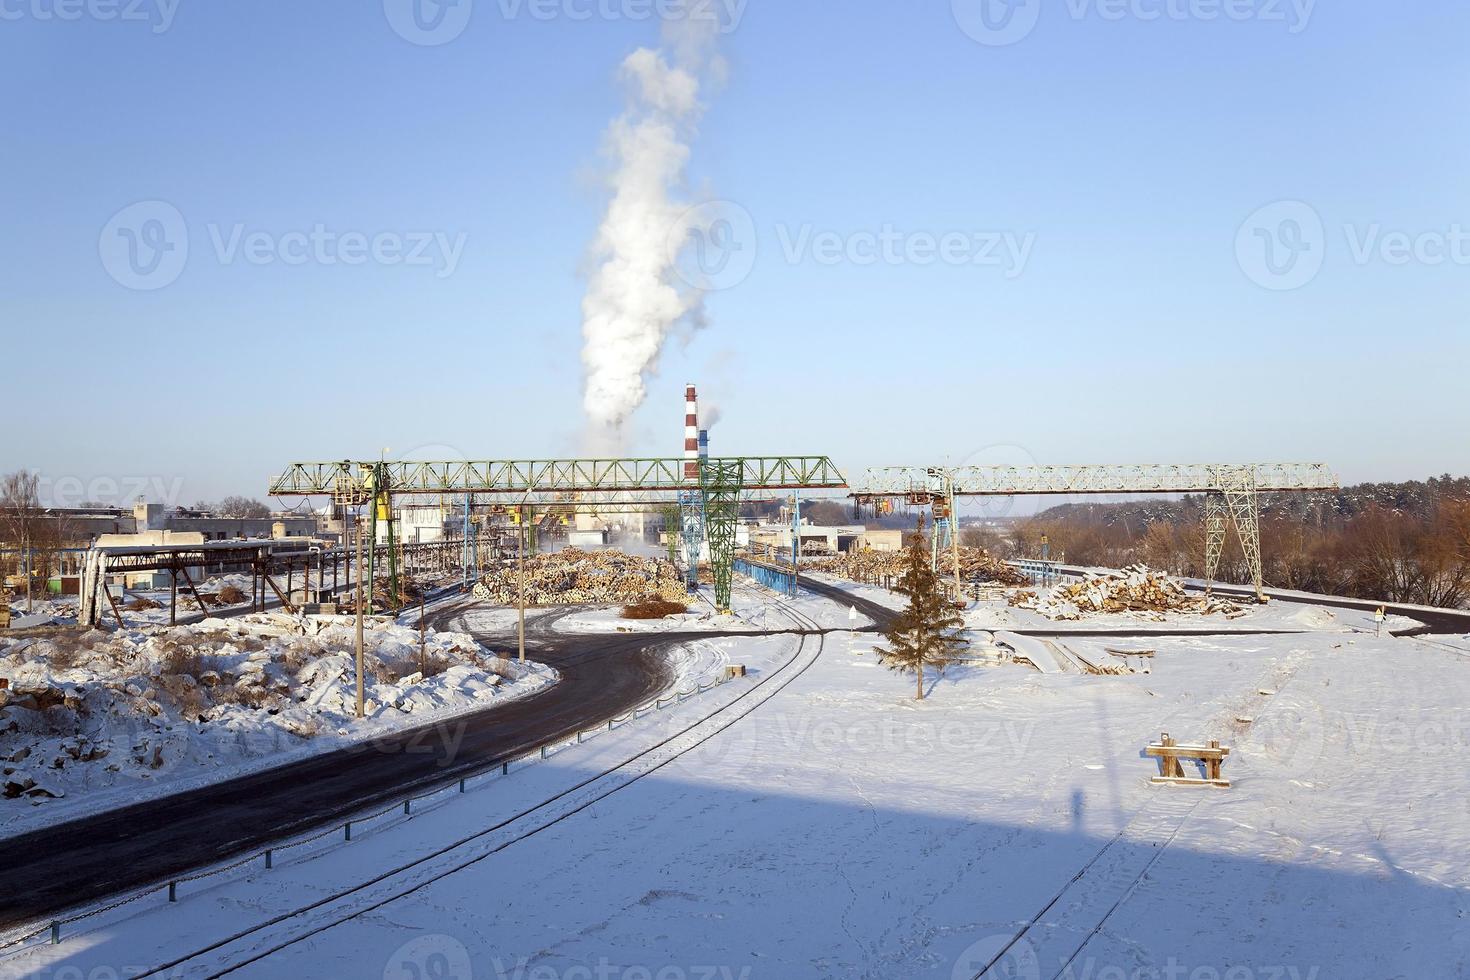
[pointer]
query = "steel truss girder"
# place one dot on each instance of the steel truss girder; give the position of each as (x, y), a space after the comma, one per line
(1232, 492)
(904, 481)
(552, 475)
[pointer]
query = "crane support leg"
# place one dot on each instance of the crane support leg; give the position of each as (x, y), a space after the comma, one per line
(1240, 507)
(941, 542)
(691, 529)
(720, 483)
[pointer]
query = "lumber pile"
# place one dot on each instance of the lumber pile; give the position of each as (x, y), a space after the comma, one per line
(574, 576)
(1136, 589)
(976, 565)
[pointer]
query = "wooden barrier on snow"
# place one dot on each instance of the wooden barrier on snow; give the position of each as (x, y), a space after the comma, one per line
(1169, 752)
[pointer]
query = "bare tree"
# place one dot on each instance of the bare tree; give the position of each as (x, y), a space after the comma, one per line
(986, 538)
(1382, 555)
(242, 507)
(927, 632)
(20, 513)
(825, 513)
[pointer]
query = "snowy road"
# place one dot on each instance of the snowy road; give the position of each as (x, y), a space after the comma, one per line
(93, 857)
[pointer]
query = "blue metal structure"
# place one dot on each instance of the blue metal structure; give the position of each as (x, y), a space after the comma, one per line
(796, 530)
(773, 577)
(942, 539)
(691, 527)
(1040, 571)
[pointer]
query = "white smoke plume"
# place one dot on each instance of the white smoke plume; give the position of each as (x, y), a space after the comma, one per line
(634, 297)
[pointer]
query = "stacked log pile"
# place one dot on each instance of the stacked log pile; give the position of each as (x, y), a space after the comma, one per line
(1136, 589)
(976, 565)
(593, 577)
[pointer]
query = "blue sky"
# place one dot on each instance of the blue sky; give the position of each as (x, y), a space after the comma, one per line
(1133, 152)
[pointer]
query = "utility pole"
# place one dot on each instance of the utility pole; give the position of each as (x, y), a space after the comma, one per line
(30, 608)
(358, 522)
(521, 576)
(954, 535)
(422, 651)
(795, 544)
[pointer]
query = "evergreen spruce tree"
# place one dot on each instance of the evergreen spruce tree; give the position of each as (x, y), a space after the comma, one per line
(927, 632)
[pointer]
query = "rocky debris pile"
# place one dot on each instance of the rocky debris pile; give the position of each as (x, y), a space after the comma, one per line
(1136, 589)
(572, 576)
(85, 711)
(976, 565)
(230, 595)
(654, 609)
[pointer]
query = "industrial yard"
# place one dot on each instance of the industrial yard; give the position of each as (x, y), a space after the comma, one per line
(979, 804)
(708, 490)
(575, 714)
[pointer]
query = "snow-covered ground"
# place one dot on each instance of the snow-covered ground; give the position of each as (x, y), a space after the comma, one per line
(843, 829)
(97, 720)
(43, 611)
(997, 614)
(752, 610)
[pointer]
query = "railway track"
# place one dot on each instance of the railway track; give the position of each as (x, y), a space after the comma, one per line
(282, 931)
(1058, 933)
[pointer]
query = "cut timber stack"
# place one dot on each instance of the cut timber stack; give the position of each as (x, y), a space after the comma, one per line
(976, 565)
(1136, 589)
(576, 576)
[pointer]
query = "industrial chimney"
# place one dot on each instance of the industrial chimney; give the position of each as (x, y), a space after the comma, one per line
(691, 435)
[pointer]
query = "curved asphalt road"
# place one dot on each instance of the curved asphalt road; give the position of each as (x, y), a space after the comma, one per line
(90, 858)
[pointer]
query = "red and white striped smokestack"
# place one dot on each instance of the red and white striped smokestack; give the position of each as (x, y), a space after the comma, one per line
(691, 435)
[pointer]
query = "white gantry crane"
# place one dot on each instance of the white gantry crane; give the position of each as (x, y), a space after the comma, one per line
(1231, 490)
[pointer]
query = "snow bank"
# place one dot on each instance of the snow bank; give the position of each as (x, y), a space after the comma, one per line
(88, 716)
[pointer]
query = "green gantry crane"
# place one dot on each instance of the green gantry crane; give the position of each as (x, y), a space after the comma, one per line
(592, 484)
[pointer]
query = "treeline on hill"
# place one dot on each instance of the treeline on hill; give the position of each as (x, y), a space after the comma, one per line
(1397, 542)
